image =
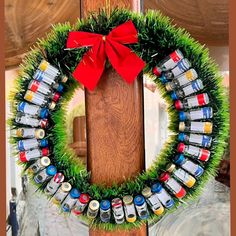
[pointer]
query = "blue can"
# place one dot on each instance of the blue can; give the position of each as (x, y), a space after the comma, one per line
(45, 174)
(27, 144)
(105, 211)
(141, 207)
(162, 195)
(70, 200)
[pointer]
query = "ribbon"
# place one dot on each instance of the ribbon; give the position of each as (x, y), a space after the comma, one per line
(127, 64)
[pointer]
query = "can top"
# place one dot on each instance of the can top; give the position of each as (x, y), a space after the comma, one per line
(147, 192)
(163, 78)
(128, 199)
(170, 167)
(139, 200)
(157, 71)
(181, 126)
(181, 147)
(44, 123)
(45, 161)
(116, 202)
(56, 96)
(51, 170)
(45, 151)
(66, 187)
(181, 137)
(164, 177)
(52, 105)
(156, 188)
(178, 105)
(179, 159)
(43, 142)
(44, 113)
(174, 96)
(168, 86)
(105, 205)
(64, 79)
(39, 133)
(94, 205)
(74, 193)
(84, 198)
(182, 116)
(60, 88)
(58, 177)
(43, 65)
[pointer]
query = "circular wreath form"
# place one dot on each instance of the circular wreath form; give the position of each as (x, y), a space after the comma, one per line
(157, 38)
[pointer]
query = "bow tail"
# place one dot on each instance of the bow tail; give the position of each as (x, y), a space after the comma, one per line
(126, 63)
(91, 67)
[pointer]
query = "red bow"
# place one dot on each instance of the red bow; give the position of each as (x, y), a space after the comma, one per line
(91, 67)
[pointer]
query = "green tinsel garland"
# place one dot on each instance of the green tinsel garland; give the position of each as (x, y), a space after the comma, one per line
(156, 37)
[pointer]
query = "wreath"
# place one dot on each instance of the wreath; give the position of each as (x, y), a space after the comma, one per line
(197, 107)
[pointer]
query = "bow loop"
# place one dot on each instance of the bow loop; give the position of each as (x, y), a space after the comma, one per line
(91, 67)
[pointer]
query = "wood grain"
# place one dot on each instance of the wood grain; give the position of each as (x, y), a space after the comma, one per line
(114, 120)
(114, 113)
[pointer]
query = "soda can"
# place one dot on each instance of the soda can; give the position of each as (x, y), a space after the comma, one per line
(196, 127)
(129, 208)
(27, 144)
(105, 211)
(81, 203)
(32, 110)
(48, 68)
(162, 195)
(28, 133)
(181, 175)
(54, 184)
(118, 212)
(168, 62)
(153, 201)
(25, 119)
(141, 207)
(195, 152)
(70, 200)
(93, 209)
(39, 165)
(61, 193)
(172, 185)
(193, 168)
(45, 174)
(34, 154)
(44, 77)
(196, 114)
(196, 139)
(40, 99)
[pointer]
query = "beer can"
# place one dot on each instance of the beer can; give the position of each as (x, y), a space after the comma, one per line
(27, 144)
(105, 211)
(61, 193)
(28, 133)
(32, 110)
(118, 212)
(129, 208)
(81, 203)
(40, 164)
(34, 154)
(45, 174)
(93, 209)
(141, 207)
(25, 119)
(153, 201)
(162, 195)
(70, 200)
(54, 184)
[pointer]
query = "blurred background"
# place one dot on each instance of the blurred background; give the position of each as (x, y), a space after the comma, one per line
(28, 20)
